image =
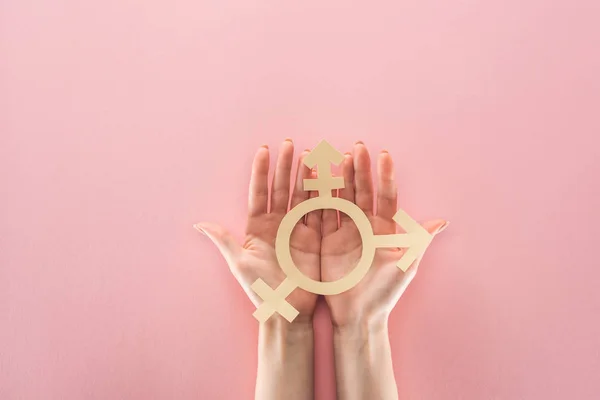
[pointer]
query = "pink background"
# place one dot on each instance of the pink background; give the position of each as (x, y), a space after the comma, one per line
(123, 122)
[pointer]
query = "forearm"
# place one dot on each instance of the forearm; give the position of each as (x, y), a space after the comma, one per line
(285, 361)
(363, 362)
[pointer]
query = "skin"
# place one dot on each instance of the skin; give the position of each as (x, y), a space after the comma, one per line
(285, 366)
(325, 246)
(363, 361)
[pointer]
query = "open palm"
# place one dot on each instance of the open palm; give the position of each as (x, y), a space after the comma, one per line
(256, 258)
(325, 245)
(377, 293)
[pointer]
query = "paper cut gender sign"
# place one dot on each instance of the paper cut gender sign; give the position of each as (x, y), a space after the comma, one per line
(415, 240)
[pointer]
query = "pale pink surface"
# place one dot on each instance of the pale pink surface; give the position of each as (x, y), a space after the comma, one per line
(124, 122)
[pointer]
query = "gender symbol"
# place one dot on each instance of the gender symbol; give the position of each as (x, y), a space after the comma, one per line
(415, 240)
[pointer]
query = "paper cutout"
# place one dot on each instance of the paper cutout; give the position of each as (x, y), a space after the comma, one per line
(415, 240)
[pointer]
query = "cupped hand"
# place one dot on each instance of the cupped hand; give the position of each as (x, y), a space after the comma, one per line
(256, 258)
(373, 298)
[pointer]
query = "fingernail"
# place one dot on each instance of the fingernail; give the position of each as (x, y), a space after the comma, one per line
(265, 146)
(443, 227)
(347, 153)
(288, 140)
(307, 150)
(359, 142)
(384, 151)
(199, 229)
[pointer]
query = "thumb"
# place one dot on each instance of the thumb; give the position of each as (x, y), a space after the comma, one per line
(436, 226)
(224, 240)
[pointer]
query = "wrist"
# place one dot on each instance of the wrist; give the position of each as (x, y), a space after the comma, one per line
(281, 342)
(362, 324)
(277, 325)
(363, 360)
(285, 359)
(361, 331)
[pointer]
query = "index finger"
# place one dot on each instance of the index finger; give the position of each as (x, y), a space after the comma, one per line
(259, 183)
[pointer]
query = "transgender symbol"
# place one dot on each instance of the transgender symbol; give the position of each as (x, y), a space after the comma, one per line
(415, 240)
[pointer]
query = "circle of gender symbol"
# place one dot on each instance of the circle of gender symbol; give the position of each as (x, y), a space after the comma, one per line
(415, 240)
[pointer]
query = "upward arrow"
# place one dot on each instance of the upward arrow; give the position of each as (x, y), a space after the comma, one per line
(322, 156)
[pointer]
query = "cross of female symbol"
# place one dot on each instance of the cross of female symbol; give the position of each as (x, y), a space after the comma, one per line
(415, 240)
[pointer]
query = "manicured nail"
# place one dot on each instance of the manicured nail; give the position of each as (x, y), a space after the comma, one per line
(199, 229)
(443, 227)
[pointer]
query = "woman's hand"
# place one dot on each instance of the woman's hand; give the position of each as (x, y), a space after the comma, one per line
(256, 257)
(285, 350)
(363, 358)
(374, 297)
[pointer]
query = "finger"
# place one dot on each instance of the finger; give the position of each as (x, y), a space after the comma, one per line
(347, 192)
(387, 194)
(435, 226)
(280, 194)
(363, 181)
(302, 172)
(313, 218)
(259, 183)
(225, 242)
(329, 218)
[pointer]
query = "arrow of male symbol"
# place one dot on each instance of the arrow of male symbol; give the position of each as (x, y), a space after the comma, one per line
(415, 240)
